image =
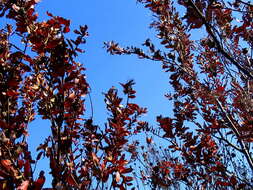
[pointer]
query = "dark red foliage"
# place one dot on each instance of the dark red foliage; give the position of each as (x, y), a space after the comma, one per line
(205, 144)
(209, 135)
(42, 78)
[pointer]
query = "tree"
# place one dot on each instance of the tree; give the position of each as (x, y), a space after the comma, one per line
(39, 75)
(206, 143)
(209, 137)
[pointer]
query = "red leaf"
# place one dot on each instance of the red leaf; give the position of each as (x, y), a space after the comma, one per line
(220, 89)
(117, 177)
(13, 83)
(71, 180)
(20, 164)
(24, 185)
(77, 32)
(27, 169)
(39, 155)
(38, 184)
(12, 93)
(126, 170)
(233, 180)
(66, 29)
(6, 164)
(79, 50)
(3, 124)
(149, 140)
(63, 21)
(222, 183)
(72, 95)
(49, 14)
(15, 7)
(95, 158)
(128, 179)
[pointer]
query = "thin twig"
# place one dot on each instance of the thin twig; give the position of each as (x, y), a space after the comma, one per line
(91, 104)
(236, 132)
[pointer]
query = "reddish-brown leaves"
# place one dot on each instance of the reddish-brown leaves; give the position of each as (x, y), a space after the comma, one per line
(59, 20)
(24, 185)
(212, 102)
(166, 125)
(38, 184)
(117, 177)
(212, 93)
(6, 164)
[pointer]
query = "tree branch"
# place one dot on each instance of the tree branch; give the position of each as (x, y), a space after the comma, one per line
(216, 41)
(245, 151)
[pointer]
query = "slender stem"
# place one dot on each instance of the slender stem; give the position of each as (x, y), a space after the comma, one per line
(91, 104)
(245, 3)
(228, 142)
(236, 132)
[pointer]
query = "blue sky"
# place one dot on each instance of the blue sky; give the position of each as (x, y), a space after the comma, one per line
(125, 22)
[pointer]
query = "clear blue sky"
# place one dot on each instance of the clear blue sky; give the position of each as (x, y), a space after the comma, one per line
(125, 22)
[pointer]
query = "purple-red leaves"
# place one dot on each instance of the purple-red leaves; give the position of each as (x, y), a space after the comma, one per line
(59, 20)
(128, 89)
(123, 123)
(212, 90)
(6, 164)
(210, 122)
(114, 48)
(166, 125)
(24, 185)
(48, 79)
(38, 184)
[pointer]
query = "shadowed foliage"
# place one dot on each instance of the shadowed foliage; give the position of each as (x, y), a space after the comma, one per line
(205, 144)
